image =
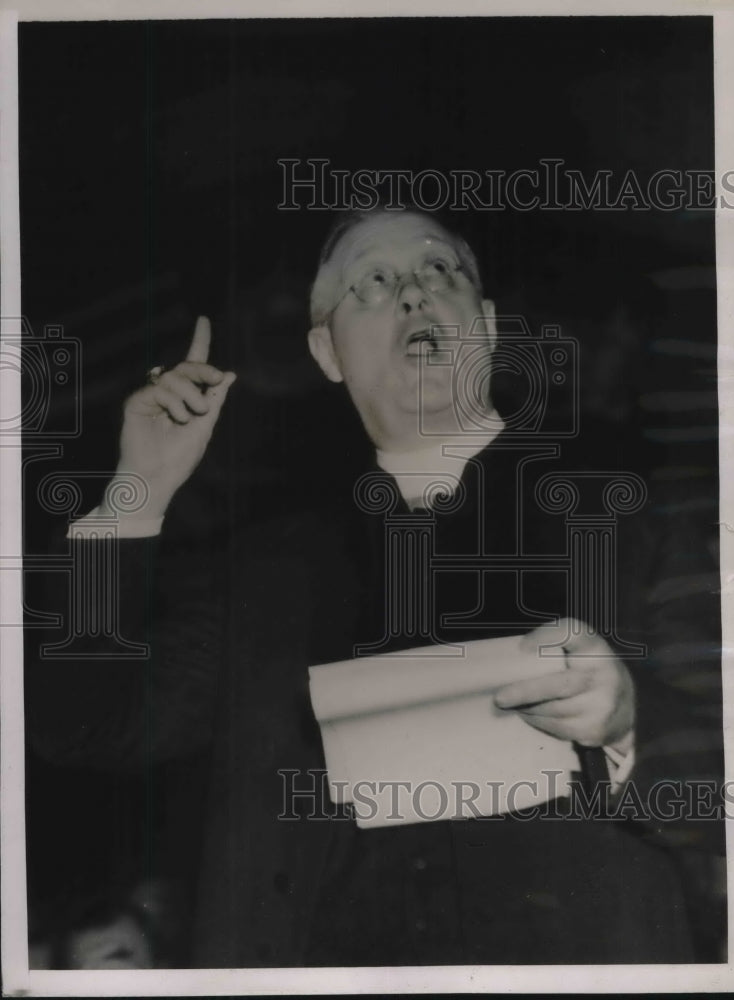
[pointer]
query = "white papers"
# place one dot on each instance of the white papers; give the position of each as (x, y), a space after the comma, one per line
(416, 737)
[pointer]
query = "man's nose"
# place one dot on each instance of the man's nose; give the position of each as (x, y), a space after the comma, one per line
(410, 294)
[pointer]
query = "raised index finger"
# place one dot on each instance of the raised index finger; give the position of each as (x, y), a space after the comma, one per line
(199, 348)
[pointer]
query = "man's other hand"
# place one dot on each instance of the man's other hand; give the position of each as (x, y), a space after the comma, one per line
(167, 425)
(590, 702)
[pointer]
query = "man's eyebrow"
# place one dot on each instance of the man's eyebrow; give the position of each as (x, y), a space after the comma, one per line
(362, 253)
(373, 252)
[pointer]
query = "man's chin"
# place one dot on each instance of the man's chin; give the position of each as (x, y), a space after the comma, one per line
(429, 406)
(433, 385)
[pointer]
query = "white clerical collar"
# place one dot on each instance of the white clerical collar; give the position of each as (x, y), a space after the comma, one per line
(439, 466)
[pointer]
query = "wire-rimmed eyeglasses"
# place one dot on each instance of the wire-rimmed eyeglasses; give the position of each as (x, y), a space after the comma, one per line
(378, 284)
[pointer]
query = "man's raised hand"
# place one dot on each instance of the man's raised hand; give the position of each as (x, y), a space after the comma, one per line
(167, 425)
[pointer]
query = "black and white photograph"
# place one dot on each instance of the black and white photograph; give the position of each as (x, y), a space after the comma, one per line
(362, 399)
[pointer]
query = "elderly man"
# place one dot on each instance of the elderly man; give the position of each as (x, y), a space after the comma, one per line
(394, 294)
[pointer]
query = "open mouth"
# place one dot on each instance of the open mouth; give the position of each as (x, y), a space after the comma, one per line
(421, 342)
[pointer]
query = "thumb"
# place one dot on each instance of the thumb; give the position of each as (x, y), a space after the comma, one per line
(544, 635)
(583, 641)
(570, 634)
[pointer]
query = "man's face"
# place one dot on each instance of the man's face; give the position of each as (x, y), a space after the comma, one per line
(389, 322)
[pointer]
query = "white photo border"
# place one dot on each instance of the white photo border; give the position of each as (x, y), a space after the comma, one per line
(17, 979)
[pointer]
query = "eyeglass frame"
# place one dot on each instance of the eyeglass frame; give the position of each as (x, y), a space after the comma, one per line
(398, 281)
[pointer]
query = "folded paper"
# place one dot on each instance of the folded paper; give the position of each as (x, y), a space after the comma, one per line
(415, 736)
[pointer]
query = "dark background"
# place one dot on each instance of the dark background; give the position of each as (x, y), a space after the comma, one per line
(149, 193)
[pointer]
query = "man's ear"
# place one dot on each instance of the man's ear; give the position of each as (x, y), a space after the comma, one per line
(489, 314)
(322, 350)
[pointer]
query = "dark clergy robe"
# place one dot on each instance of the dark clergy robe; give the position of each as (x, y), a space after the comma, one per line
(232, 635)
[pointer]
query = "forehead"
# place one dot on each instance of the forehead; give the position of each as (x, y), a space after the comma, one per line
(388, 236)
